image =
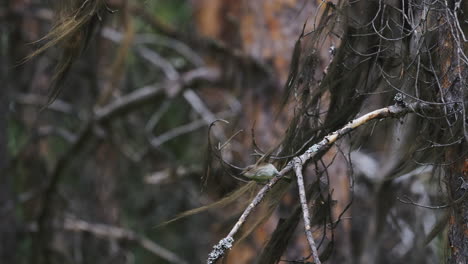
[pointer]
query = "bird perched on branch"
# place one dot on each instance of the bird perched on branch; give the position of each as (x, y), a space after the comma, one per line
(260, 172)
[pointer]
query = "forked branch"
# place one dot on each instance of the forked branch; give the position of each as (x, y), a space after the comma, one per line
(394, 111)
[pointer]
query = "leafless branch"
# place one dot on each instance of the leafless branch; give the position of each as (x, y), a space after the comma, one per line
(178, 46)
(40, 101)
(61, 132)
(149, 93)
(118, 233)
(199, 106)
(158, 61)
(168, 42)
(305, 208)
(115, 109)
(408, 200)
(393, 111)
(184, 129)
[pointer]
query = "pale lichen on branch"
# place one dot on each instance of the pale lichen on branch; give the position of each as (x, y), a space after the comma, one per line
(393, 111)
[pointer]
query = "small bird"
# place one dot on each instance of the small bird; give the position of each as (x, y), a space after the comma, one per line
(260, 172)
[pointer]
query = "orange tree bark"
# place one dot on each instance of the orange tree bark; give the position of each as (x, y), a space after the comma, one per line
(453, 85)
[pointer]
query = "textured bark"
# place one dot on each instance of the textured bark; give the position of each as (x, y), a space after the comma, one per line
(456, 157)
(457, 176)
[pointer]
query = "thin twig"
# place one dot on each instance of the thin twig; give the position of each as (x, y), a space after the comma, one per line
(142, 39)
(147, 94)
(408, 200)
(183, 129)
(305, 209)
(40, 101)
(159, 61)
(200, 107)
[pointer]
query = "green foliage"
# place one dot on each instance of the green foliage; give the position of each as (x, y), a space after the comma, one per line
(16, 135)
(173, 12)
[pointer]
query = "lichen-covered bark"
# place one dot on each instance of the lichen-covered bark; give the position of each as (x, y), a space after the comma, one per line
(457, 176)
(453, 76)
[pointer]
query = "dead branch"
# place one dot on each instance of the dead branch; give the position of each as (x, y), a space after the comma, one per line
(39, 101)
(393, 111)
(102, 115)
(157, 141)
(118, 233)
(147, 94)
(305, 209)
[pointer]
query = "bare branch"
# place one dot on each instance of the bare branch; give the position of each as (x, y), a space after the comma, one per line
(149, 93)
(40, 101)
(113, 232)
(305, 209)
(184, 129)
(115, 109)
(393, 111)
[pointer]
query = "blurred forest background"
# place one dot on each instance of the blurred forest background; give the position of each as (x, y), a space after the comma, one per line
(104, 130)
